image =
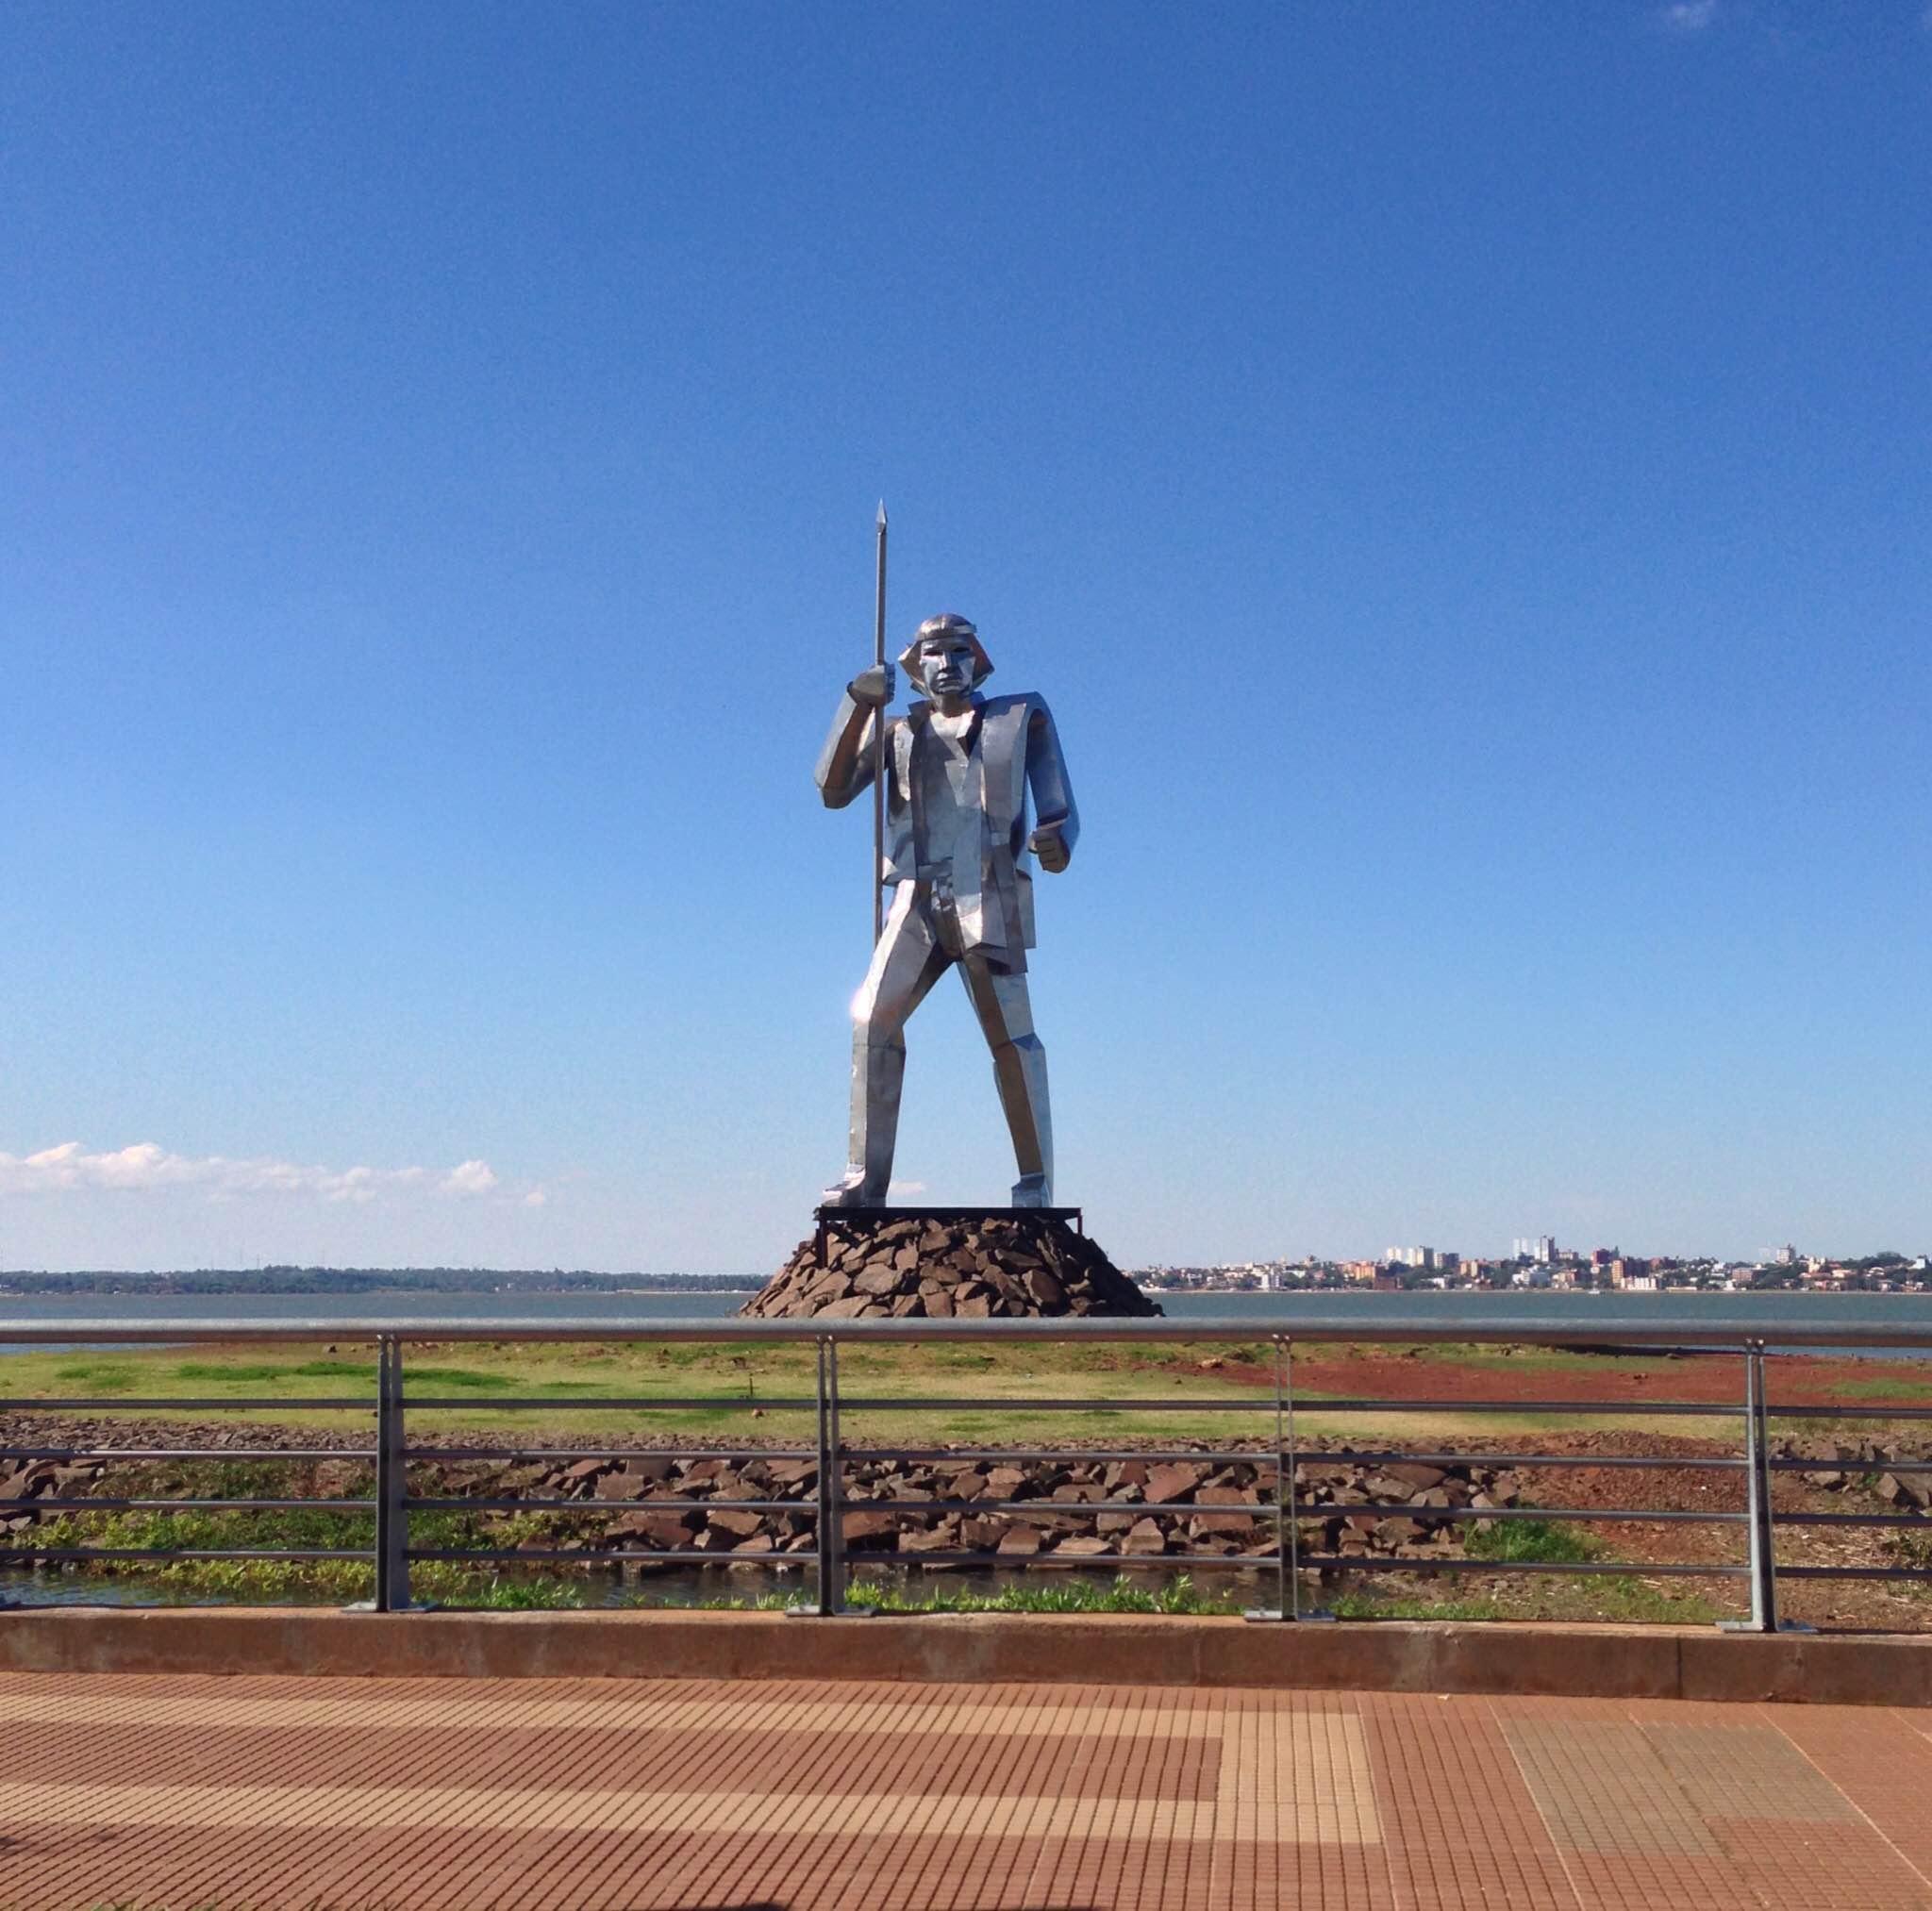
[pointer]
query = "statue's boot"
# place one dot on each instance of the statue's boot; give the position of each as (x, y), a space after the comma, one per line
(851, 1192)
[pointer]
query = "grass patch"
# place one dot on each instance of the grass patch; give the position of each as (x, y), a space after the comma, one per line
(447, 1582)
(1542, 1541)
(472, 1378)
(1068, 1594)
(1907, 1389)
(481, 1372)
(1611, 1598)
(1368, 1605)
(104, 1377)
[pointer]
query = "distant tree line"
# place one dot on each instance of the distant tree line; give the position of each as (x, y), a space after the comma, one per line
(287, 1280)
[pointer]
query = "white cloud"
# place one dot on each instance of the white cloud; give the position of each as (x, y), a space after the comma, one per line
(146, 1168)
(470, 1177)
(902, 1189)
(535, 1198)
(1689, 16)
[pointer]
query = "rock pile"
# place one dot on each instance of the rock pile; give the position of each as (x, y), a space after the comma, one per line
(1849, 1466)
(1002, 1266)
(23, 1481)
(1017, 1509)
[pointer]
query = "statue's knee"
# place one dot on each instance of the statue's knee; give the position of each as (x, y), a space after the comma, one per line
(877, 1031)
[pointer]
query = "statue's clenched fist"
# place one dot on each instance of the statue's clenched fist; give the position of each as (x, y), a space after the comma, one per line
(1050, 846)
(872, 688)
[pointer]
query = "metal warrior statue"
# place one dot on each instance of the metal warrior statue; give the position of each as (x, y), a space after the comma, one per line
(958, 770)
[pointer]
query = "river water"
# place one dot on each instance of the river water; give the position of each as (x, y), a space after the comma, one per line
(1732, 1315)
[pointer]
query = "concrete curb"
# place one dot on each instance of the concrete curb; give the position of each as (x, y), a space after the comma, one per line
(1615, 1662)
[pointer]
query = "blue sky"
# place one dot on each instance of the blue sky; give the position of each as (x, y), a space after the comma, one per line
(1459, 473)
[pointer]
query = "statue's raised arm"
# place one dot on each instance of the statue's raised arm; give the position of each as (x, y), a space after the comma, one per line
(844, 766)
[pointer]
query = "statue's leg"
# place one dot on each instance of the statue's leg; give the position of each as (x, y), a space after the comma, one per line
(905, 965)
(1019, 1066)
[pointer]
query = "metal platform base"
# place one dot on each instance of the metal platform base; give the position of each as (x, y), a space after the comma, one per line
(1075, 1216)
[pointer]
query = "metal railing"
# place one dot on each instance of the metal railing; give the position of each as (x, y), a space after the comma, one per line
(832, 1456)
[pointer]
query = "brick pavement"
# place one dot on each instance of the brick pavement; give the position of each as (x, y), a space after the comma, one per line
(194, 1792)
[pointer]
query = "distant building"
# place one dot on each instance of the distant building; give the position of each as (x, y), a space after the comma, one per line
(1431, 1260)
(1540, 1248)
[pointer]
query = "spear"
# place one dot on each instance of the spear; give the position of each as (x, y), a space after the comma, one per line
(878, 746)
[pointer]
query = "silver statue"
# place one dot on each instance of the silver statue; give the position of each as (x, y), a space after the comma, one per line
(956, 862)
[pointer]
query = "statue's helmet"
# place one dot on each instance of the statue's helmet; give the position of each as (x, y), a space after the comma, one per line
(948, 624)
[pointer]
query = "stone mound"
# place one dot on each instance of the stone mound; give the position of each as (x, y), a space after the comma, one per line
(1003, 1266)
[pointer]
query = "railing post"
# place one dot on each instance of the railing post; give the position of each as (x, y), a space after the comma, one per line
(831, 1532)
(1288, 1525)
(392, 1482)
(1284, 1492)
(1763, 1558)
(1763, 1562)
(1294, 1524)
(1767, 1508)
(825, 1542)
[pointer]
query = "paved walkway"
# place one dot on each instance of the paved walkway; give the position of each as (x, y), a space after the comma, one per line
(258, 1792)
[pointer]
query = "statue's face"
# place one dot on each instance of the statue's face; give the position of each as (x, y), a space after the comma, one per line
(946, 666)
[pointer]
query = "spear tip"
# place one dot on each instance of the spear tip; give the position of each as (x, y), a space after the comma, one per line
(882, 514)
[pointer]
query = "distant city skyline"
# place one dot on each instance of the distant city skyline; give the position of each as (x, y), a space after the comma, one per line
(1541, 1250)
(1457, 474)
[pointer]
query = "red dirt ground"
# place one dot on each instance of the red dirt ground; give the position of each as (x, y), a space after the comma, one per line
(1717, 1379)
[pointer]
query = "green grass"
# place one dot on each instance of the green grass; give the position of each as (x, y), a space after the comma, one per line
(311, 1581)
(1608, 1598)
(754, 1374)
(1542, 1541)
(1372, 1605)
(430, 1378)
(1123, 1594)
(1059, 1595)
(1903, 1386)
(732, 1380)
(103, 1376)
(363, 1371)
